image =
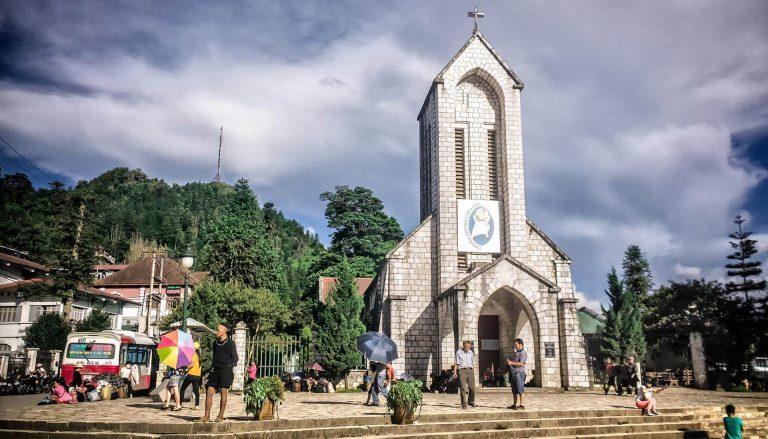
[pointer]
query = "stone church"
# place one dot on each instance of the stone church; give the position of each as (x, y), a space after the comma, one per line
(477, 268)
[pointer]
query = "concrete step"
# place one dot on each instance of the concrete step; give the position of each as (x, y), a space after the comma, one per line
(472, 423)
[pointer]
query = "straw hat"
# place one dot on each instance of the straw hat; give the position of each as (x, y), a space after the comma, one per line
(79, 365)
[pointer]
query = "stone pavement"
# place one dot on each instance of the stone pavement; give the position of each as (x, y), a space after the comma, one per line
(342, 405)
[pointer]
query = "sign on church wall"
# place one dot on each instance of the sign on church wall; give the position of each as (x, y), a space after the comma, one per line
(478, 226)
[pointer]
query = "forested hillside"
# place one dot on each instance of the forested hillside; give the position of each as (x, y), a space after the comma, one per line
(124, 205)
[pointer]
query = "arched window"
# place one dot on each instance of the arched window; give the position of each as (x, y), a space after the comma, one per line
(5, 348)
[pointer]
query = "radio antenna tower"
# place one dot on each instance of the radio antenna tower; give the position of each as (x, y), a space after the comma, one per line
(217, 179)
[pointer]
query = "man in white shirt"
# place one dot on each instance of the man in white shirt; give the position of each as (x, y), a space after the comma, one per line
(464, 370)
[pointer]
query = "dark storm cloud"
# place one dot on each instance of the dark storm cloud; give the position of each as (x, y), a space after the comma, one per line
(629, 109)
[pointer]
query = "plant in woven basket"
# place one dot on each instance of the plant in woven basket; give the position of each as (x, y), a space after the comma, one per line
(261, 389)
(405, 395)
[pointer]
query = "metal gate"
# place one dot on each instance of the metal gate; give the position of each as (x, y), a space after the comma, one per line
(277, 354)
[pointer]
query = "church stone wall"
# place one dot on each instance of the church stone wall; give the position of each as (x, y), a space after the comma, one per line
(409, 293)
(541, 256)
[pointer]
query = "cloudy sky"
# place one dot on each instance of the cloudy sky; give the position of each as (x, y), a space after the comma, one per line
(644, 122)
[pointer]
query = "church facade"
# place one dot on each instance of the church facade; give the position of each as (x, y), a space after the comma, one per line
(476, 268)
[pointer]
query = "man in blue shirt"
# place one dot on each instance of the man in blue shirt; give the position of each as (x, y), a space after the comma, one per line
(516, 365)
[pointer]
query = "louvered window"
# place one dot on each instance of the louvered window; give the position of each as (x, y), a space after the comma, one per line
(493, 177)
(461, 184)
(462, 261)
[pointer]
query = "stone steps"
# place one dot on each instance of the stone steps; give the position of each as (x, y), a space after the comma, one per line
(612, 423)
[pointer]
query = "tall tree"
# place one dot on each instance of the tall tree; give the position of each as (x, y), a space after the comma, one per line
(623, 330)
(75, 247)
(744, 269)
(637, 273)
(239, 248)
(48, 332)
(698, 305)
(364, 233)
(339, 325)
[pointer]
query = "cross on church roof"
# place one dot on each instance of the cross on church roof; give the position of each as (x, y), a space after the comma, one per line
(475, 14)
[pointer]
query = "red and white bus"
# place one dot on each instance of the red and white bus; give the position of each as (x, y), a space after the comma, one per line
(108, 351)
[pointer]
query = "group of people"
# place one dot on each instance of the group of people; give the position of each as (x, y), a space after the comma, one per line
(178, 380)
(464, 371)
(623, 377)
(220, 377)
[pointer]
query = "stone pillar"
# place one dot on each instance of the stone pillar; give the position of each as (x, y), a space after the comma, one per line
(573, 361)
(240, 336)
(31, 359)
(4, 365)
(53, 368)
(396, 329)
(698, 361)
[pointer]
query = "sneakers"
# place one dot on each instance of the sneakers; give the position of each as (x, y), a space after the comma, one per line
(512, 407)
(195, 407)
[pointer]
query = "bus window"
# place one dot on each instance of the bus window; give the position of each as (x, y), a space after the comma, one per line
(91, 351)
(136, 355)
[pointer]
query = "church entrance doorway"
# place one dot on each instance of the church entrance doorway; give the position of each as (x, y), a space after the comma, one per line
(505, 316)
(489, 356)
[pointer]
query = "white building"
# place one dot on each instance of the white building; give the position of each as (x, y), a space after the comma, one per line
(17, 313)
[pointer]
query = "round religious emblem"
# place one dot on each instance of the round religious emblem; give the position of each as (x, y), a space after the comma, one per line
(479, 226)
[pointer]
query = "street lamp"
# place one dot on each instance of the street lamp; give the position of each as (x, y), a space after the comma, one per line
(187, 261)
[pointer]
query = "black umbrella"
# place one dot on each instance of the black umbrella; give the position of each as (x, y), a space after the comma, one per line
(377, 347)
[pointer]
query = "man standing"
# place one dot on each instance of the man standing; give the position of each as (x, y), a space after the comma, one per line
(464, 369)
(610, 376)
(221, 377)
(516, 365)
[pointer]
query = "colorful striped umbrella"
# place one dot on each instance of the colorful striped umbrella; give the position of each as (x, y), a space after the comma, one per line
(176, 349)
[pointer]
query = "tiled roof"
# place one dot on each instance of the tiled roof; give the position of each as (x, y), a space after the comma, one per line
(327, 284)
(14, 286)
(139, 273)
(110, 267)
(22, 262)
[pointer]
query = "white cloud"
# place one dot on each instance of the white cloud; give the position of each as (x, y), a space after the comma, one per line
(592, 304)
(628, 125)
(689, 272)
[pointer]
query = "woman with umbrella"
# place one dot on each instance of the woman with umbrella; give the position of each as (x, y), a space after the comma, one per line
(381, 349)
(176, 350)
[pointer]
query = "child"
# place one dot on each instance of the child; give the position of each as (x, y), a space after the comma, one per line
(734, 426)
(646, 402)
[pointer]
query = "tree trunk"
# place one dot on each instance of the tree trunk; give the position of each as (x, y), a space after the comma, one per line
(69, 298)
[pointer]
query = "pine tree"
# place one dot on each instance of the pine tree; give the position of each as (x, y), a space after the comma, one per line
(623, 330)
(637, 273)
(239, 248)
(339, 325)
(744, 269)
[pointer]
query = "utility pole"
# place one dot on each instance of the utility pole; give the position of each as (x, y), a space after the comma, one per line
(217, 179)
(148, 296)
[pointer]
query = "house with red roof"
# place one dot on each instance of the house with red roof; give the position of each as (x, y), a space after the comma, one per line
(17, 312)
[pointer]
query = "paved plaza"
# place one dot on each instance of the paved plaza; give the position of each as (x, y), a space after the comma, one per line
(343, 405)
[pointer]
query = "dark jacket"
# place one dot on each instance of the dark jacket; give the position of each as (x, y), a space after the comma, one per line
(224, 354)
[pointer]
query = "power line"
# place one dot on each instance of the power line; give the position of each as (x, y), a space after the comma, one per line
(25, 159)
(29, 174)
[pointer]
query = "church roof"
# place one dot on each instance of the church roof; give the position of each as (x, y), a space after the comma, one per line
(479, 36)
(547, 239)
(517, 263)
(475, 35)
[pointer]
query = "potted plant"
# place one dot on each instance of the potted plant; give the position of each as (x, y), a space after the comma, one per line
(262, 397)
(403, 400)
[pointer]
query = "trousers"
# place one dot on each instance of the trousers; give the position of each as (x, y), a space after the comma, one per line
(467, 386)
